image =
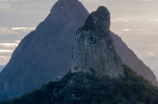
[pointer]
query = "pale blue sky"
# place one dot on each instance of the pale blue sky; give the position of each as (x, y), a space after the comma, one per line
(135, 21)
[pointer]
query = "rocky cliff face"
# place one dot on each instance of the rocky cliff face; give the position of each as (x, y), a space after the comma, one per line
(44, 54)
(129, 58)
(93, 50)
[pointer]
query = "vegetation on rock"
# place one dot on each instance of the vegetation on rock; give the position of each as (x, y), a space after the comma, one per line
(131, 89)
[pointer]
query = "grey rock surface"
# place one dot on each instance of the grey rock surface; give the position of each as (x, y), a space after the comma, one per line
(93, 51)
(44, 54)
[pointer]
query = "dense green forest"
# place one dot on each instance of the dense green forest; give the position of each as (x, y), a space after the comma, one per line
(131, 89)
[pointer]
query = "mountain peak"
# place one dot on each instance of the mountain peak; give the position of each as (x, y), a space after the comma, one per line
(93, 50)
(44, 53)
(99, 18)
(66, 10)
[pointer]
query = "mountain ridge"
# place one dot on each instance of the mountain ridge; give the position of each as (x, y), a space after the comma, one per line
(44, 54)
(84, 87)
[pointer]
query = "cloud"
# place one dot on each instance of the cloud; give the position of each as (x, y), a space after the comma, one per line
(147, 0)
(25, 29)
(3, 0)
(10, 51)
(121, 19)
(126, 30)
(4, 60)
(6, 31)
(154, 20)
(11, 0)
(131, 0)
(151, 54)
(9, 44)
(4, 6)
(6, 50)
(91, 0)
(146, 30)
(16, 0)
(123, 0)
(136, 19)
(17, 41)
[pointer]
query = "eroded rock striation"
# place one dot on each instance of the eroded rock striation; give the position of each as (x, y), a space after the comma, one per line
(93, 50)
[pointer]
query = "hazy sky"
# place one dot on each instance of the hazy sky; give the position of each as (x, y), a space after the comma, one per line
(135, 21)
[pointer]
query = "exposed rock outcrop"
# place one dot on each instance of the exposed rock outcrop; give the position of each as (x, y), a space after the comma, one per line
(45, 54)
(93, 50)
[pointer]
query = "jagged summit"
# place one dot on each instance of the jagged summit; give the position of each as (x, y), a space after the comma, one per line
(93, 51)
(96, 20)
(45, 54)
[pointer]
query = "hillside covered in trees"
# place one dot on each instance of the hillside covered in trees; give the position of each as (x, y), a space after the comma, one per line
(131, 89)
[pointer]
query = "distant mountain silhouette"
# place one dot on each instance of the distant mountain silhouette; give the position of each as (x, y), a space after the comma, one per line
(44, 54)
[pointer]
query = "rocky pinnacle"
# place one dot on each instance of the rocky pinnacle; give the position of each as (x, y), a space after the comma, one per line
(93, 51)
